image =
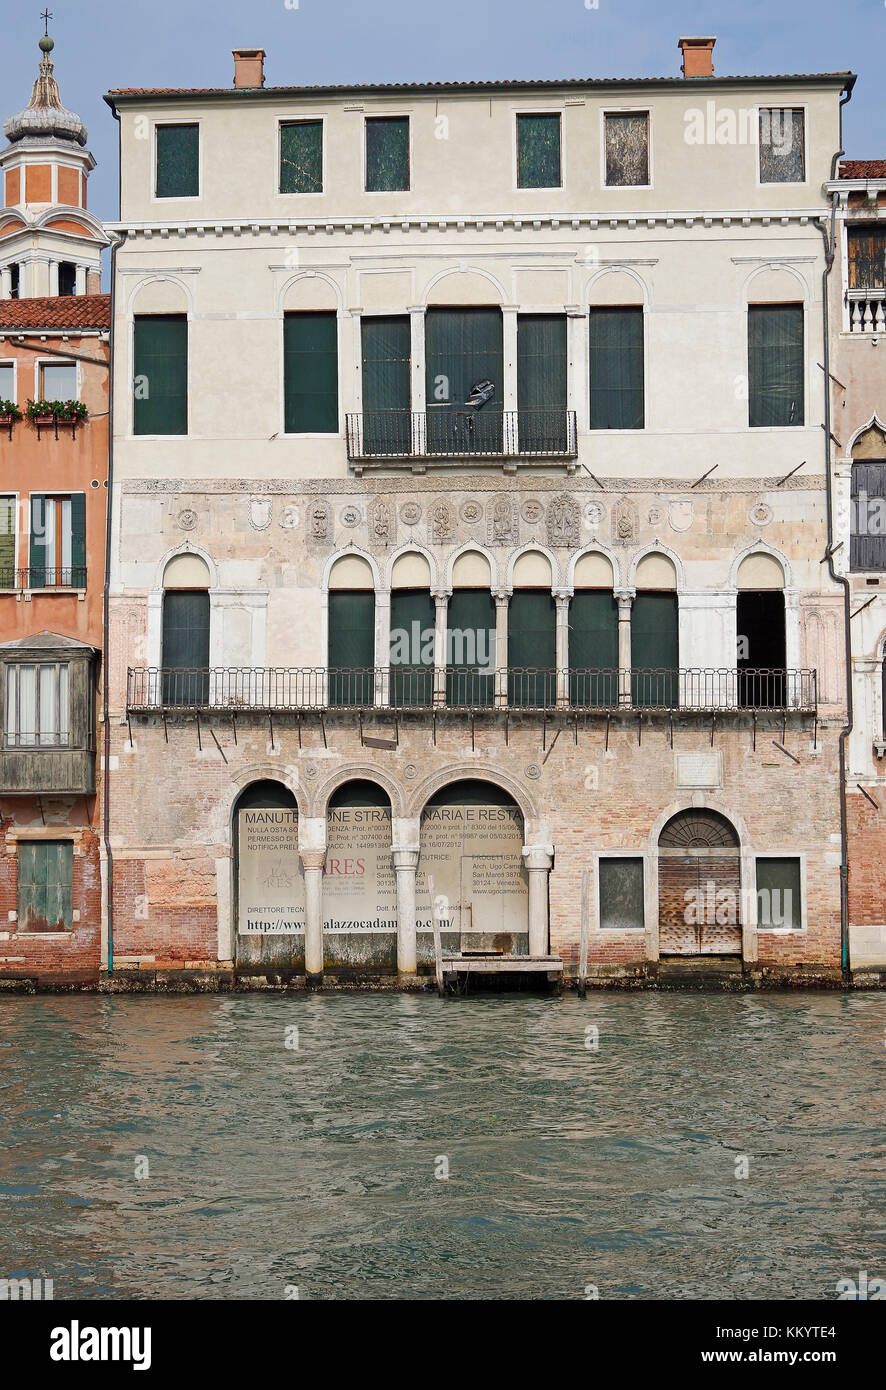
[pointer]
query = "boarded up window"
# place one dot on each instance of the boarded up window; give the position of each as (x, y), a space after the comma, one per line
(621, 894)
(160, 384)
(186, 647)
(775, 365)
(387, 367)
(7, 543)
(867, 258)
(532, 649)
(541, 381)
(868, 515)
(627, 149)
(178, 161)
(782, 146)
(778, 893)
(412, 647)
(654, 650)
(301, 157)
(45, 885)
(617, 371)
(387, 154)
(538, 151)
(593, 648)
(310, 373)
(470, 647)
(351, 647)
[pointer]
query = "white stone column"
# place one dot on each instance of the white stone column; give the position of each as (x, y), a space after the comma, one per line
(382, 646)
(5, 282)
(508, 387)
(562, 599)
(313, 863)
(625, 598)
(538, 860)
(80, 279)
(441, 609)
(53, 279)
(577, 370)
(405, 853)
(501, 647)
(418, 387)
(791, 632)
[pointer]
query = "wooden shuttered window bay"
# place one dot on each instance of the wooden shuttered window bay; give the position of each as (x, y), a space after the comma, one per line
(45, 885)
(160, 386)
(310, 373)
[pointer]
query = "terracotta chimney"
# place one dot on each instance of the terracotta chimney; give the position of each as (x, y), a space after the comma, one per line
(249, 67)
(698, 57)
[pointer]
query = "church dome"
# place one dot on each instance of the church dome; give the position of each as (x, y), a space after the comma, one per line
(44, 116)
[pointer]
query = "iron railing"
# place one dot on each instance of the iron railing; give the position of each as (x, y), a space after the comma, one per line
(693, 690)
(450, 432)
(44, 577)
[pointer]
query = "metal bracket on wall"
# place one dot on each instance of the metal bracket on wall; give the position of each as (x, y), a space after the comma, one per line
(608, 722)
(218, 745)
(165, 729)
(271, 727)
(868, 796)
(323, 729)
(754, 718)
(713, 727)
(787, 752)
(551, 749)
(671, 730)
(129, 727)
(199, 739)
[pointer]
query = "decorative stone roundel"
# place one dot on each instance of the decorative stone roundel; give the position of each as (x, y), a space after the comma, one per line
(187, 519)
(410, 771)
(312, 772)
(289, 518)
(760, 514)
(471, 511)
(350, 516)
(410, 513)
(592, 513)
(531, 511)
(533, 771)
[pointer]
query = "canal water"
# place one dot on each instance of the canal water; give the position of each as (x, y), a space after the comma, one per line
(302, 1141)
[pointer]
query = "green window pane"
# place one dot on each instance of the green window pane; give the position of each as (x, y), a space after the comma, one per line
(185, 647)
(775, 365)
(301, 157)
(532, 648)
(160, 385)
(538, 151)
(178, 161)
(462, 348)
(593, 648)
(310, 373)
(782, 146)
(617, 371)
(470, 647)
(7, 543)
(412, 647)
(387, 369)
(654, 650)
(541, 382)
(45, 885)
(627, 149)
(778, 893)
(351, 647)
(621, 894)
(78, 540)
(387, 154)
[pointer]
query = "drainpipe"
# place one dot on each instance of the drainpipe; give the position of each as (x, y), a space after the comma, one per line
(829, 255)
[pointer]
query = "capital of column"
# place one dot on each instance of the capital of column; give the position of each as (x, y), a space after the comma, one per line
(312, 859)
(441, 596)
(625, 595)
(538, 856)
(502, 597)
(562, 597)
(406, 856)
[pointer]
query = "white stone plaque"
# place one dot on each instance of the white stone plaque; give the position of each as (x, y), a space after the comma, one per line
(703, 770)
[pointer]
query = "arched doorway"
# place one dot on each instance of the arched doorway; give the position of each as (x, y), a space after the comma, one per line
(269, 888)
(471, 845)
(699, 886)
(359, 886)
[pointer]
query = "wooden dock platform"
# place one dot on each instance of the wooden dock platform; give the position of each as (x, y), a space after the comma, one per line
(495, 963)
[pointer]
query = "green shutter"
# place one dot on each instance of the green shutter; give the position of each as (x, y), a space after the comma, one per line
(532, 648)
(462, 348)
(351, 647)
(617, 373)
(412, 670)
(593, 648)
(301, 157)
(160, 385)
(470, 646)
(775, 365)
(39, 558)
(78, 540)
(387, 366)
(178, 161)
(186, 647)
(7, 543)
(45, 885)
(538, 151)
(387, 154)
(654, 650)
(541, 382)
(310, 373)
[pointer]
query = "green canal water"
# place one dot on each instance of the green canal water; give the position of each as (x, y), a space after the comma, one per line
(318, 1166)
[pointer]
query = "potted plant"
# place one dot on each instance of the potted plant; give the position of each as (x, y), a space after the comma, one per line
(46, 414)
(9, 415)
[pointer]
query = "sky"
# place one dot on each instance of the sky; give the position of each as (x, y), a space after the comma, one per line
(102, 44)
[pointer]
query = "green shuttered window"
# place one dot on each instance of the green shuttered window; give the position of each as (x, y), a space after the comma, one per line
(868, 514)
(160, 386)
(301, 157)
(387, 154)
(470, 647)
(593, 648)
(775, 365)
(463, 347)
(386, 361)
(186, 647)
(412, 647)
(57, 552)
(541, 381)
(532, 648)
(45, 885)
(310, 373)
(7, 543)
(538, 151)
(617, 372)
(178, 161)
(351, 647)
(654, 650)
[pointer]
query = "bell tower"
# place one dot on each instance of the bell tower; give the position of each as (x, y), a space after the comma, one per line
(49, 244)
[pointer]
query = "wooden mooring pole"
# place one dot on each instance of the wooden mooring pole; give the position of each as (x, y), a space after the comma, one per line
(438, 943)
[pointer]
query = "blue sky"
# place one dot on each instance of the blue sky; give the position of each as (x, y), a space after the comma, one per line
(172, 43)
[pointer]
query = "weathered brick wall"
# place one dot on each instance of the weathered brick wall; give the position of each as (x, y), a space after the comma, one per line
(73, 957)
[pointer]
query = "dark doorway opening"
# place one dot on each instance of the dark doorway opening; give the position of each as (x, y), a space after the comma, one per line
(761, 649)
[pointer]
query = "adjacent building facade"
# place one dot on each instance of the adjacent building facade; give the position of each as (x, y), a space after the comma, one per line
(468, 515)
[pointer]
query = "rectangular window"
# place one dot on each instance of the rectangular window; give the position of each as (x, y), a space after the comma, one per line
(593, 648)
(7, 543)
(37, 705)
(867, 258)
(351, 651)
(532, 649)
(387, 154)
(310, 373)
(470, 648)
(621, 894)
(866, 511)
(178, 161)
(7, 381)
(778, 894)
(186, 617)
(627, 149)
(412, 647)
(58, 381)
(782, 146)
(58, 542)
(654, 651)
(538, 151)
(541, 382)
(301, 157)
(775, 365)
(160, 385)
(387, 369)
(617, 371)
(463, 348)
(45, 885)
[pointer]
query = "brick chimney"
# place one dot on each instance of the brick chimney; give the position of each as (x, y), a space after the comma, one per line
(698, 57)
(249, 67)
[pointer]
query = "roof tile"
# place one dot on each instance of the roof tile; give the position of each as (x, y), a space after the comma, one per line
(62, 312)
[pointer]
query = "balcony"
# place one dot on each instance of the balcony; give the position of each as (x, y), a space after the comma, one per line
(438, 435)
(43, 578)
(249, 690)
(867, 310)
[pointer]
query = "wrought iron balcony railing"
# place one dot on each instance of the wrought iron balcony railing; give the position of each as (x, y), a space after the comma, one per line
(450, 432)
(301, 689)
(44, 577)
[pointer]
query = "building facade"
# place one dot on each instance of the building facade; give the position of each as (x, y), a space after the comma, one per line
(468, 513)
(54, 397)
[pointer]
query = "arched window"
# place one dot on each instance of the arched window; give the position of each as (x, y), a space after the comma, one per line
(185, 658)
(868, 506)
(413, 616)
(532, 634)
(470, 633)
(655, 656)
(593, 635)
(351, 646)
(760, 627)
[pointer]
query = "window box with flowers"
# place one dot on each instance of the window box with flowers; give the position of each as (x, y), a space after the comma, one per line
(51, 414)
(9, 415)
